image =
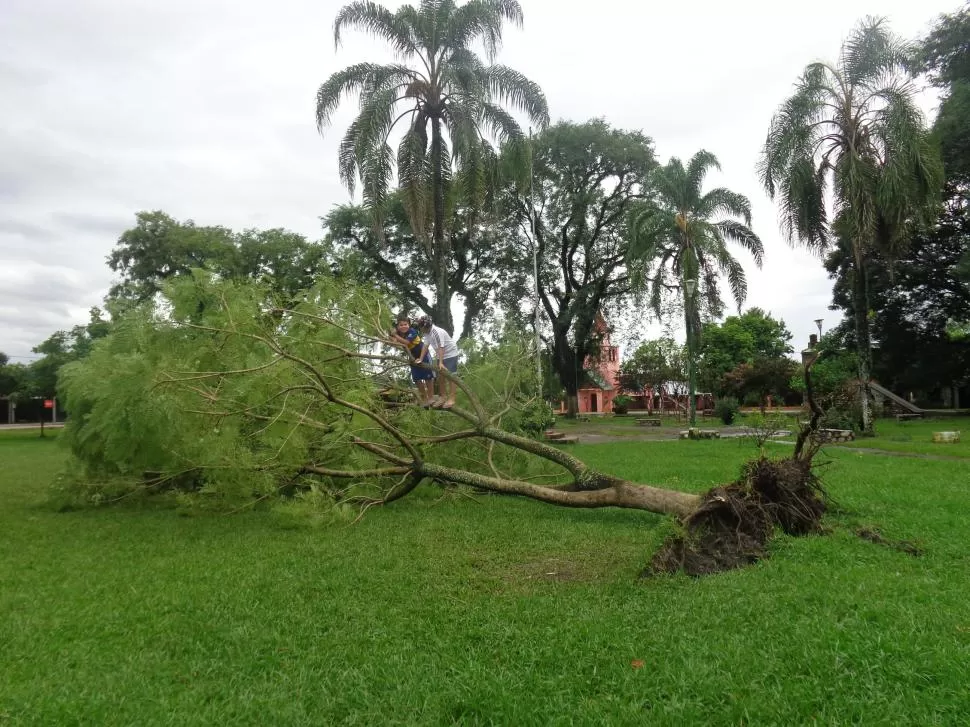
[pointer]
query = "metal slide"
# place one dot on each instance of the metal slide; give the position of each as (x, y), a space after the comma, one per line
(898, 400)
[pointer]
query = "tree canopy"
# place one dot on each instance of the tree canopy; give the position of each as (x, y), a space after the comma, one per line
(159, 247)
(453, 108)
(574, 219)
(853, 129)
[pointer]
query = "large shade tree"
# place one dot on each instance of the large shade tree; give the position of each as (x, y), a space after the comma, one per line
(852, 130)
(451, 104)
(682, 233)
(574, 219)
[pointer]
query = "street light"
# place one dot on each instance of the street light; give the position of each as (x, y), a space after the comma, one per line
(818, 322)
(690, 287)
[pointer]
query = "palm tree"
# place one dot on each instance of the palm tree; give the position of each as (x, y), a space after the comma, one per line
(452, 104)
(852, 130)
(683, 234)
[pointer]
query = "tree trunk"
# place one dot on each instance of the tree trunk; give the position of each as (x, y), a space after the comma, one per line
(441, 254)
(860, 305)
(691, 364)
(620, 493)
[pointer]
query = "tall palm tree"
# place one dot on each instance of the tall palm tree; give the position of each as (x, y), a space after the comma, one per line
(683, 234)
(451, 104)
(852, 130)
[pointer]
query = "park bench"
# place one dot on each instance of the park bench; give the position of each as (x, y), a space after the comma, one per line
(648, 421)
(553, 435)
(907, 417)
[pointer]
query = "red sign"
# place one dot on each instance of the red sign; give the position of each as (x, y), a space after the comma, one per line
(48, 403)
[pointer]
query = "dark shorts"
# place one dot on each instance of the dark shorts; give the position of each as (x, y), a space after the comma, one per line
(451, 364)
(420, 373)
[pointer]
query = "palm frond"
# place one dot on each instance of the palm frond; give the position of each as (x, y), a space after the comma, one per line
(511, 87)
(355, 79)
(377, 21)
(482, 20)
(743, 236)
(722, 201)
(872, 53)
(697, 168)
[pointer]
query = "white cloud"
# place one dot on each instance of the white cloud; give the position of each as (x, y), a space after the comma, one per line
(204, 108)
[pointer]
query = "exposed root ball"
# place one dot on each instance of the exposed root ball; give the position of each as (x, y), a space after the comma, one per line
(732, 525)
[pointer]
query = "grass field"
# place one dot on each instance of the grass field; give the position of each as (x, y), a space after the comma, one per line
(483, 611)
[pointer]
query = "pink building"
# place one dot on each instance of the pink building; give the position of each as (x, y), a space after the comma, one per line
(596, 392)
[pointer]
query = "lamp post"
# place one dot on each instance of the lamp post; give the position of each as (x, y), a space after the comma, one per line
(690, 287)
(818, 322)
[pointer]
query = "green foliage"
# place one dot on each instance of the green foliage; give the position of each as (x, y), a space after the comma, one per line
(13, 376)
(726, 409)
(216, 390)
(151, 398)
(533, 418)
(812, 147)
(918, 298)
(832, 376)
(385, 249)
(745, 339)
(654, 364)
(158, 248)
(760, 379)
(621, 403)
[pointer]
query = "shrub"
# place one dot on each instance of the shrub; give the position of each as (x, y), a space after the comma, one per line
(726, 409)
(621, 404)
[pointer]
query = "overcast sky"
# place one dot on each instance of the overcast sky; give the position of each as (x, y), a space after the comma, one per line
(204, 109)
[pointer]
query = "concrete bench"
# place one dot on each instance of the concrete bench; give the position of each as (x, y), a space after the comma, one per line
(648, 421)
(826, 436)
(565, 440)
(553, 435)
(907, 417)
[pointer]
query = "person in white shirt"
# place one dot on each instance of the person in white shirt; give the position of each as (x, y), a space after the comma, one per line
(445, 351)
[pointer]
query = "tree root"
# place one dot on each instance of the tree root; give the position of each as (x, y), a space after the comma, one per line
(733, 524)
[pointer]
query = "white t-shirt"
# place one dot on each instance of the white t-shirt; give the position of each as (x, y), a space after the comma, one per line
(439, 338)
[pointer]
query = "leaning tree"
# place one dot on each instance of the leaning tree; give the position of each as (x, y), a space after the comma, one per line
(248, 400)
(450, 104)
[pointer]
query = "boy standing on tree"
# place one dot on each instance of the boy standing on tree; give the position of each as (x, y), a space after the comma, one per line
(422, 373)
(446, 360)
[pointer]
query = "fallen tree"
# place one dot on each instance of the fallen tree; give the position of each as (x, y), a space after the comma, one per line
(219, 392)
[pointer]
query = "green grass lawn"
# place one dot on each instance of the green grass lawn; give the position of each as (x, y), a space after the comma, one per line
(497, 611)
(916, 436)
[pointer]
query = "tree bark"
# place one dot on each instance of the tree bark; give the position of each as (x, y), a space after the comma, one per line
(441, 253)
(860, 305)
(620, 493)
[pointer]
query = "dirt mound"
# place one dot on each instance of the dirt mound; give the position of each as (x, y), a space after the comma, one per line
(733, 524)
